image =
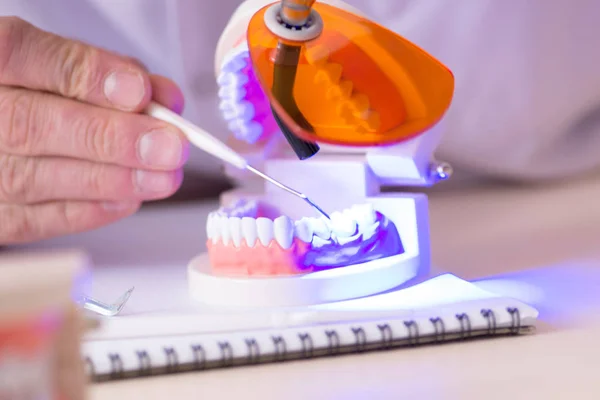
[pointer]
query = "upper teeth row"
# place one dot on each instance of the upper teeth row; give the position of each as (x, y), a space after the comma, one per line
(358, 220)
(237, 111)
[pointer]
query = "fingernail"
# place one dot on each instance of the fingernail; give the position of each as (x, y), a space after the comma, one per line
(153, 182)
(161, 149)
(125, 89)
(118, 206)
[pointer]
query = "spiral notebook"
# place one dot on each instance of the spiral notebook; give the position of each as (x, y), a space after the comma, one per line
(445, 308)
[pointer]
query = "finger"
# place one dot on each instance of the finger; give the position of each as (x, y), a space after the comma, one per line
(26, 180)
(164, 90)
(42, 124)
(167, 93)
(39, 60)
(139, 63)
(21, 224)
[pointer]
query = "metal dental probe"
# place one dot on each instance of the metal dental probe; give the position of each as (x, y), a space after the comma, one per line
(288, 189)
(205, 141)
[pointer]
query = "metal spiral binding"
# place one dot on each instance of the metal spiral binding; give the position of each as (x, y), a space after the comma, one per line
(386, 336)
(440, 329)
(145, 363)
(515, 317)
(253, 351)
(491, 320)
(465, 325)
(116, 365)
(172, 359)
(226, 354)
(333, 342)
(334, 345)
(199, 356)
(280, 348)
(413, 332)
(307, 345)
(360, 339)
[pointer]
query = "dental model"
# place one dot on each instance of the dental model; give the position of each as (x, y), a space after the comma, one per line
(261, 250)
(252, 239)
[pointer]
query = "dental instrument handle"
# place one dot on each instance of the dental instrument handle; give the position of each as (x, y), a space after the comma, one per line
(205, 141)
(197, 136)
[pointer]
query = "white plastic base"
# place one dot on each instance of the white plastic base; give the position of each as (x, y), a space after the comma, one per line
(315, 288)
(408, 212)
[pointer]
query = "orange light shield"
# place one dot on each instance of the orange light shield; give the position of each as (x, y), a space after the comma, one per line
(356, 84)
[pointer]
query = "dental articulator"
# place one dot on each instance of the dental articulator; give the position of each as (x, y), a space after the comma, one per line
(359, 107)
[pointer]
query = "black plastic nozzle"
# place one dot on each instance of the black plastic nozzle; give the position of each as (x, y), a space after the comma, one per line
(302, 148)
(284, 77)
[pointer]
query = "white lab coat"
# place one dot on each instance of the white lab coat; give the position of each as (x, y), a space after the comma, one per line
(527, 102)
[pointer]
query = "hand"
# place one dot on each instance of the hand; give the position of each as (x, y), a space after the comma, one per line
(75, 153)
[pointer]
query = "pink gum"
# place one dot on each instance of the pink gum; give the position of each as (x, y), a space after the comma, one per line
(271, 260)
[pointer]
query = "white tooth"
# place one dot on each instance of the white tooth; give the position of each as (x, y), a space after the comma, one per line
(283, 227)
(222, 212)
(248, 208)
(216, 227)
(345, 240)
(243, 110)
(232, 94)
(235, 230)
(368, 231)
(245, 128)
(240, 80)
(235, 64)
(249, 231)
(247, 111)
(264, 226)
(364, 214)
(224, 228)
(234, 55)
(224, 78)
(216, 233)
(209, 226)
(232, 80)
(319, 242)
(320, 227)
(342, 225)
(229, 115)
(303, 230)
(243, 58)
(249, 132)
(226, 106)
(224, 92)
(237, 203)
(238, 213)
(235, 125)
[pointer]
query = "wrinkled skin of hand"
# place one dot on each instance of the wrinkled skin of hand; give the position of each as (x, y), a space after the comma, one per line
(76, 153)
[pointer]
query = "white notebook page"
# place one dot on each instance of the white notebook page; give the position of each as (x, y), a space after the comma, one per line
(443, 296)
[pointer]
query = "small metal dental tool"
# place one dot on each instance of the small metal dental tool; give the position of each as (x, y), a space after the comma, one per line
(210, 144)
(108, 310)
